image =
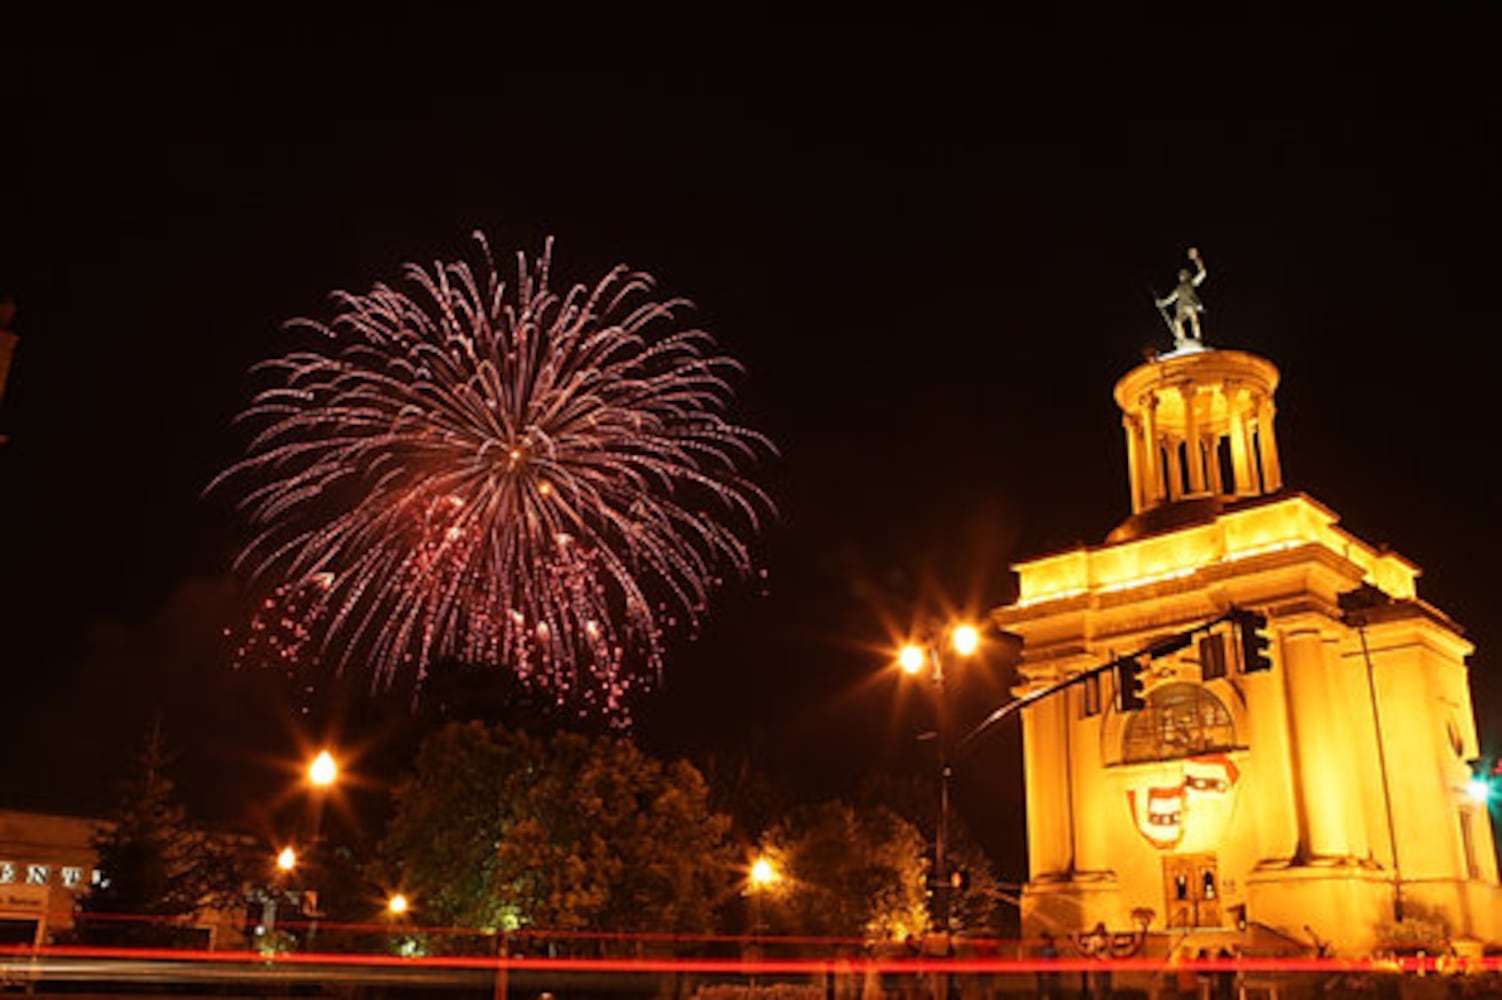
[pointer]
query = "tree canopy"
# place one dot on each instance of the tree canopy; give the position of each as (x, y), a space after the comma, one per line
(502, 830)
(849, 872)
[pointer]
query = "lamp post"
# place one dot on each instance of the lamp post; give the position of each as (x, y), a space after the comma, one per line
(925, 654)
(286, 864)
(762, 877)
(322, 773)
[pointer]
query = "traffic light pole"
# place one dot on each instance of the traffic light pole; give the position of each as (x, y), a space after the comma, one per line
(1356, 606)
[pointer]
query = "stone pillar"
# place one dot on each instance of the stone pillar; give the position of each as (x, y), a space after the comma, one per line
(1358, 749)
(1211, 444)
(1241, 464)
(1093, 831)
(1272, 472)
(1270, 773)
(1133, 428)
(1173, 468)
(1362, 719)
(1254, 470)
(1193, 448)
(1045, 741)
(1152, 489)
(1321, 760)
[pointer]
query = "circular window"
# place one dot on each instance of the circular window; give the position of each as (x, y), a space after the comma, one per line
(1180, 720)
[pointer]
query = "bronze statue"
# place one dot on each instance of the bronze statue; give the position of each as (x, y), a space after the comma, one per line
(1186, 304)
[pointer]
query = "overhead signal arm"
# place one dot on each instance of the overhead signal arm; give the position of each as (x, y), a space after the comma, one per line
(1129, 668)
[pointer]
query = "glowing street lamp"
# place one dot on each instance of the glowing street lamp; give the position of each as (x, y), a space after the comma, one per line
(764, 874)
(397, 905)
(761, 878)
(965, 639)
(324, 770)
(286, 859)
(912, 658)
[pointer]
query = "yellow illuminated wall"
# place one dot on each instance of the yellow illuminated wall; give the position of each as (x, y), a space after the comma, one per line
(1315, 802)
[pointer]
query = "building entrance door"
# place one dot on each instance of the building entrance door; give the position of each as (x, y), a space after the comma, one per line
(1191, 886)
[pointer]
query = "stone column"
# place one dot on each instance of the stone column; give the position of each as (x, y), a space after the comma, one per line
(1152, 489)
(1241, 464)
(1193, 447)
(1366, 760)
(1248, 448)
(1050, 827)
(1133, 428)
(1270, 778)
(1173, 468)
(1272, 472)
(1211, 444)
(1321, 760)
(1094, 827)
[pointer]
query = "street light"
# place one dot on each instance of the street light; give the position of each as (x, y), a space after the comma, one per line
(397, 904)
(286, 861)
(323, 771)
(763, 873)
(965, 639)
(761, 878)
(913, 658)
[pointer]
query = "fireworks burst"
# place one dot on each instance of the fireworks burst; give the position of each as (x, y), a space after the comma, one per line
(502, 475)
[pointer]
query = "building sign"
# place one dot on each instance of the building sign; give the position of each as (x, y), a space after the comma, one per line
(30, 873)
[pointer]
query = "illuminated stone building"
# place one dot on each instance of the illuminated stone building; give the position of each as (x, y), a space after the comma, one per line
(46, 864)
(1315, 801)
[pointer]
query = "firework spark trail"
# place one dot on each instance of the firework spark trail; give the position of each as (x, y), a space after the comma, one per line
(503, 475)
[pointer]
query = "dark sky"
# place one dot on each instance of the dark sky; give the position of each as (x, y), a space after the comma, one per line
(930, 244)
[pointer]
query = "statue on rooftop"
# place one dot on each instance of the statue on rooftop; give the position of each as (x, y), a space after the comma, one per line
(1186, 305)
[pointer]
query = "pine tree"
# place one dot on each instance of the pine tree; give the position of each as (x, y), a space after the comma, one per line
(156, 871)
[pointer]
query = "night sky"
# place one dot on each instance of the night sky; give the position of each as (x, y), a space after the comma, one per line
(931, 245)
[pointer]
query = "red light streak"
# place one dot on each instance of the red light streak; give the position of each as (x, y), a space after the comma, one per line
(1409, 964)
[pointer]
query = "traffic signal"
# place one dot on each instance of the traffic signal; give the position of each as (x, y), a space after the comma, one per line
(1129, 685)
(1256, 641)
(956, 881)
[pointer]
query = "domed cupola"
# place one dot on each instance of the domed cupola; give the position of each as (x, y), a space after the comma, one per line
(1199, 425)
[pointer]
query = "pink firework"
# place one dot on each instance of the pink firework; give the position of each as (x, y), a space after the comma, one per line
(502, 474)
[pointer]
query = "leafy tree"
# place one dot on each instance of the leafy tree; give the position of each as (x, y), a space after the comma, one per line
(982, 905)
(441, 845)
(850, 872)
(500, 829)
(155, 868)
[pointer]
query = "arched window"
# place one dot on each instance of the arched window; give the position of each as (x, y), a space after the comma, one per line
(1180, 720)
